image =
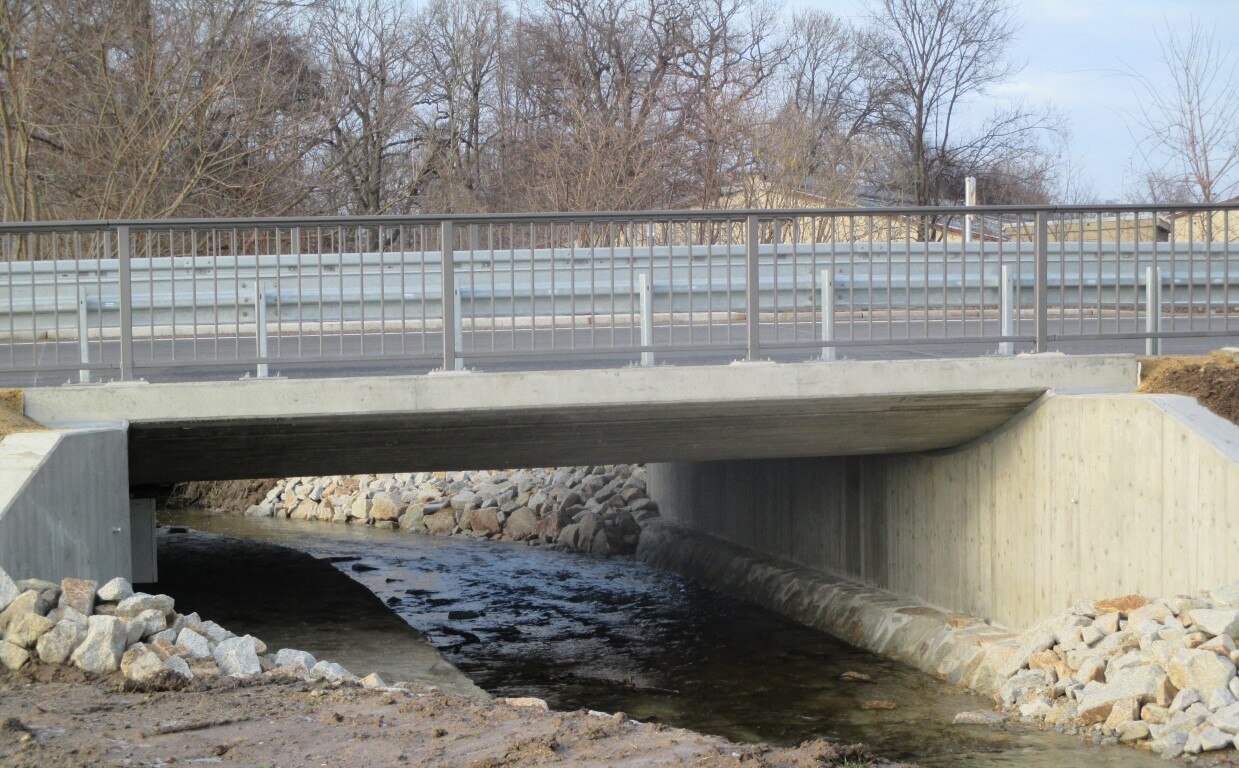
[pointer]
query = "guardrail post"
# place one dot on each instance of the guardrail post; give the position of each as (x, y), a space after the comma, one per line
(126, 299)
(647, 317)
(83, 336)
(1040, 299)
(1006, 310)
(1152, 309)
(260, 328)
(448, 296)
(752, 292)
(827, 289)
(458, 330)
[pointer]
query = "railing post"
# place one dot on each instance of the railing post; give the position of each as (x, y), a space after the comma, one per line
(827, 289)
(1040, 299)
(260, 328)
(647, 317)
(83, 336)
(751, 288)
(126, 300)
(1006, 310)
(1153, 309)
(458, 330)
(447, 293)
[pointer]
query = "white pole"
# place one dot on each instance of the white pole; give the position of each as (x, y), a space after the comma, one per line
(458, 331)
(1153, 309)
(83, 338)
(260, 323)
(1006, 311)
(647, 318)
(827, 289)
(970, 199)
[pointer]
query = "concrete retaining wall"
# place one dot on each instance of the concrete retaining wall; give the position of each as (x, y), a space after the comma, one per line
(1080, 496)
(64, 504)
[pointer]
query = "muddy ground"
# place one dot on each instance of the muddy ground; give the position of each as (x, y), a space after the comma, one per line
(272, 721)
(1212, 379)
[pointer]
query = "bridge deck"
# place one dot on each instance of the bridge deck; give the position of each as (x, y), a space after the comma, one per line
(285, 427)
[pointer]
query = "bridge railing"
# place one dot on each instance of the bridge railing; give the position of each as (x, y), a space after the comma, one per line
(99, 300)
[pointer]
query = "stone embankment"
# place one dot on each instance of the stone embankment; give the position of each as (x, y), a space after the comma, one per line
(599, 509)
(107, 629)
(1158, 674)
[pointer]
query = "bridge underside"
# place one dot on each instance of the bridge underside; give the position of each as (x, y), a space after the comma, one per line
(282, 427)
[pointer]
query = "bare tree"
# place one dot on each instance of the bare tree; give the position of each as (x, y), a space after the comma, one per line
(937, 56)
(1190, 144)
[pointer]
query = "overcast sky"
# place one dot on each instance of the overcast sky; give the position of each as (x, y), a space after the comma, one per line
(1075, 50)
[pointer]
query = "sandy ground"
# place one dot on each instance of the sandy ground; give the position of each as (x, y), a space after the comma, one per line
(1212, 379)
(272, 721)
(11, 418)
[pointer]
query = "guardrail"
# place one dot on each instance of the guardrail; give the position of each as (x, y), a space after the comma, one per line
(120, 299)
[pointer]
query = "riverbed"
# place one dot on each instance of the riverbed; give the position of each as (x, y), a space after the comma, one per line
(617, 635)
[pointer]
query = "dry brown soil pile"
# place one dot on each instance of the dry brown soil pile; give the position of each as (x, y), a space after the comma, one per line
(11, 418)
(1212, 379)
(275, 721)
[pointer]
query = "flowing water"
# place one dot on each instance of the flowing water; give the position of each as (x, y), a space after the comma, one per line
(618, 635)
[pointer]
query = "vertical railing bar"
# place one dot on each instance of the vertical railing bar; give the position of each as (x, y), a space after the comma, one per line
(447, 292)
(1099, 260)
(827, 302)
(1007, 304)
(1191, 273)
(125, 300)
(752, 287)
(1039, 286)
(647, 319)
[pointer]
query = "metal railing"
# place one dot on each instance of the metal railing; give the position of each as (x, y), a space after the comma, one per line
(127, 299)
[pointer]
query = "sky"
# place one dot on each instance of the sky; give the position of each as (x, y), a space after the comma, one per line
(1075, 54)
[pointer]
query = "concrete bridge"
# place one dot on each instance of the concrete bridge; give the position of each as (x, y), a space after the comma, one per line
(951, 479)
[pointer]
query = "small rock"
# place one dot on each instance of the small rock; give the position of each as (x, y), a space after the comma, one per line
(140, 664)
(858, 677)
(525, 701)
(178, 666)
(1133, 731)
(195, 645)
(1217, 621)
(1202, 670)
(331, 672)
(78, 594)
(295, 661)
(115, 590)
(135, 604)
(1212, 739)
(980, 717)
(1184, 699)
(12, 656)
(878, 704)
(1123, 605)
(372, 681)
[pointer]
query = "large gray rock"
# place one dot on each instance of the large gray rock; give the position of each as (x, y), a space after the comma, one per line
(103, 645)
(8, 590)
(238, 657)
(29, 601)
(178, 666)
(27, 629)
(1202, 670)
(78, 594)
(58, 644)
(115, 590)
(132, 606)
(1038, 642)
(153, 620)
(12, 656)
(520, 524)
(386, 506)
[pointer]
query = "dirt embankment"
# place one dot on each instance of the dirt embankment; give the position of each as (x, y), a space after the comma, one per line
(11, 417)
(275, 721)
(1212, 379)
(220, 495)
